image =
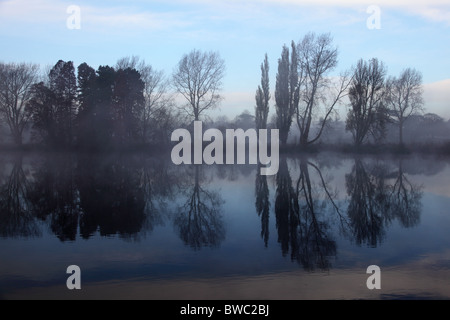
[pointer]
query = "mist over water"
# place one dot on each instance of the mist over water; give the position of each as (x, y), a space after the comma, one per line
(107, 172)
(138, 223)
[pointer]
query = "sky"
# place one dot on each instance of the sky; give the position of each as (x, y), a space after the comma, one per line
(400, 33)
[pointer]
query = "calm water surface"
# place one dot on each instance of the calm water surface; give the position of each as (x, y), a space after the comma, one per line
(140, 227)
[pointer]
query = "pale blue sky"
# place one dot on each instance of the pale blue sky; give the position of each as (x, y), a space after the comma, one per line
(413, 34)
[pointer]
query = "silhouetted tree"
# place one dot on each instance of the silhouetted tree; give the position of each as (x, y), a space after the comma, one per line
(244, 121)
(262, 97)
(286, 91)
(156, 119)
(317, 56)
(102, 112)
(111, 106)
(63, 84)
(432, 128)
(198, 78)
(404, 97)
(53, 107)
(87, 103)
(16, 81)
(127, 106)
(43, 109)
(367, 114)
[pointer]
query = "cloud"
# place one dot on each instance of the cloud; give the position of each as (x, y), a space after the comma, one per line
(433, 10)
(33, 11)
(436, 14)
(137, 13)
(122, 17)
(437, 98)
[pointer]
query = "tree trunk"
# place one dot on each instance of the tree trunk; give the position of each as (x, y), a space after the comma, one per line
(303, 141)
(17, 136)
(18, 139)
(401, 133)
(283, 136)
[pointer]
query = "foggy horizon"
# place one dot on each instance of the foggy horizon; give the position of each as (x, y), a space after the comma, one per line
(221, 155)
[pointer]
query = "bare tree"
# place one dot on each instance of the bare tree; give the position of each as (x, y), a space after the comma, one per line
(16, 81)
(158, 100)
(404, 97)
(198, 78)
(316, 58)
(132, 62)
(366, 116)
(262, 97)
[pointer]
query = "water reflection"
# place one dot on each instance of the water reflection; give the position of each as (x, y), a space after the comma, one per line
(316, 240)
(16, 211)
(375, 202)
(309, 206)
(111, 196)
(301, 217)
(262, 203)
(124, 196)
(128, 196)
(405, 199)
(54, 196)
(368, 204)
(286, 209)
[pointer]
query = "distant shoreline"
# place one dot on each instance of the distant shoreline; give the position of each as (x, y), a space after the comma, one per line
(289, 149)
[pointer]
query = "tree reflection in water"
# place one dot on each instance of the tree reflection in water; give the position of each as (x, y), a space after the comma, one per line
(129, 195)
(315, 240)
(305, 211)
(16, 211)
(367, 208)
(405, 199)
(86, 194)
(300, 216)
(111, 196)
(54, 195)
(262, 203)
(199, 220)
(375, 202)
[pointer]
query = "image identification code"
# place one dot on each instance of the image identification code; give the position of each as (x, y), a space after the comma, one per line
(228, 309)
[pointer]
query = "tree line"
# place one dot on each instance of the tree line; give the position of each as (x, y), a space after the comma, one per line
(132, 104)
(127, 104)
(306, 94)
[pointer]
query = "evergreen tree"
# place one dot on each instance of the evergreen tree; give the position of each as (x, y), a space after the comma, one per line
(286, 91)
(262, 97)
